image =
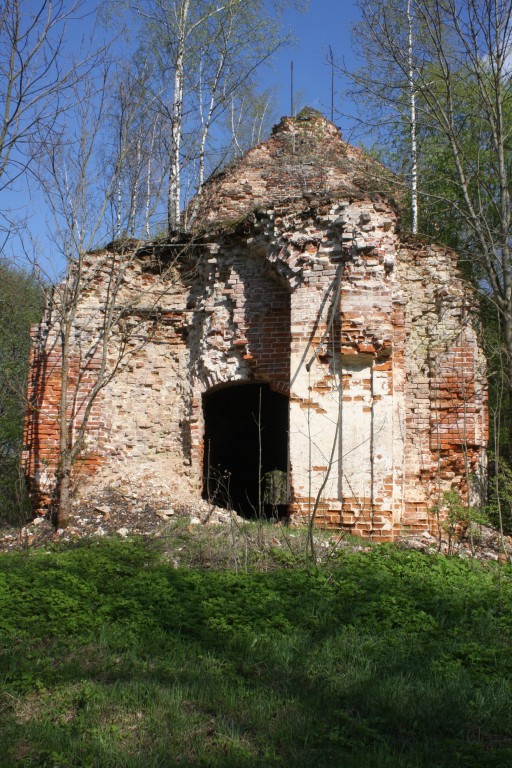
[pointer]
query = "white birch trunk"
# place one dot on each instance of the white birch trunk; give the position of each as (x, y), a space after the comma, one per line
(412, 106)
(118, 212)
(148, 181)
(174, 197)
(135, 189)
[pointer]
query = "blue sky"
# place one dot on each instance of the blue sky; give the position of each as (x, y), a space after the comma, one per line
(327, 22)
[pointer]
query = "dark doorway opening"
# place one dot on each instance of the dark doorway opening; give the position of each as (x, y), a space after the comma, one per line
(246, 450)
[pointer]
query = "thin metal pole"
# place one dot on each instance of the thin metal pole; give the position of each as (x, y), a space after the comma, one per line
(292, 109)
(332, 84)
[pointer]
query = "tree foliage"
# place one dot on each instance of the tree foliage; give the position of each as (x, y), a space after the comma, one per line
(20, 306)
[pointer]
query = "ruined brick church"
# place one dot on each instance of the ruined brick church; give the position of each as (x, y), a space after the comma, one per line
(292, 354)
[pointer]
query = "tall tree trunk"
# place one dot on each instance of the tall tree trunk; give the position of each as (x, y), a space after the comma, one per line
(135, 189)
(118, 212)
(148, 183)
(63, 510)
(412, 107)
(506, 320)
(173, 202)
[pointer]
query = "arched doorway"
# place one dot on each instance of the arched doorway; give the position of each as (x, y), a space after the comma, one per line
(246, 450)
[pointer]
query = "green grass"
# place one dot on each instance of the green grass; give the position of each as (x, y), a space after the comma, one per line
(111, 657)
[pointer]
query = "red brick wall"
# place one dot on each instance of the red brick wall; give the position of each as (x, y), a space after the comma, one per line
(42, 425)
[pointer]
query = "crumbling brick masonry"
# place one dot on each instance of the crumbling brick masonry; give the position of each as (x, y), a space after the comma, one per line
(291, 334)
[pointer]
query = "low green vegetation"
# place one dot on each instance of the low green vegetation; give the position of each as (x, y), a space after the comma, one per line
(113, 657)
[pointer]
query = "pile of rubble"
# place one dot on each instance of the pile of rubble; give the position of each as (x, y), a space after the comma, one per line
(114, 514)
(482, 543)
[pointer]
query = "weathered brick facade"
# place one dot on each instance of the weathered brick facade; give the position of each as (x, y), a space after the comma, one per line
(293, 276)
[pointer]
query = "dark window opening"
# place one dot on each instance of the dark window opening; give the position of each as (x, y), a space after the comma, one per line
(243, 423)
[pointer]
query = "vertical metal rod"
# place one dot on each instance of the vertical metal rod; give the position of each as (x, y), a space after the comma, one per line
(292, 109)
(332, 83)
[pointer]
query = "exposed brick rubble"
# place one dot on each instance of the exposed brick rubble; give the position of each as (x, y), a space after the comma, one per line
(294, 275)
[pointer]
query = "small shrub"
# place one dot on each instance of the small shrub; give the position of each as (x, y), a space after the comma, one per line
(460, 520)
(499, 508)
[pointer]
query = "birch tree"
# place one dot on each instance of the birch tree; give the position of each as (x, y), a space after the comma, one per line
(412, 119)
(202, 52)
